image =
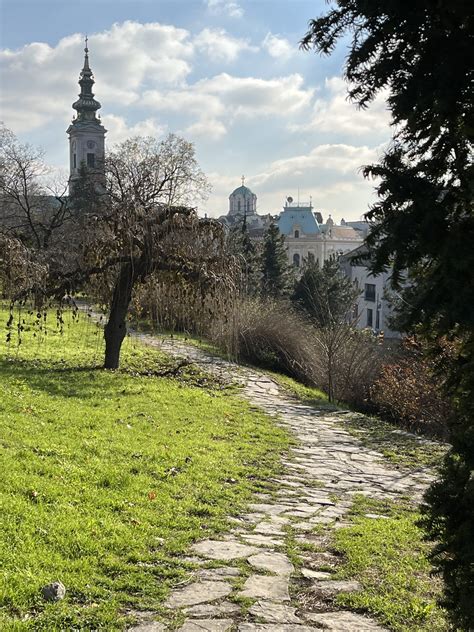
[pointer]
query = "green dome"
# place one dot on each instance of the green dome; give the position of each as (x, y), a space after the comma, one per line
(242, 190)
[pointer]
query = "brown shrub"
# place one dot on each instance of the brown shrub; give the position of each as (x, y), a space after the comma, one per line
(270, 334)
(348, 361)
(409, 389)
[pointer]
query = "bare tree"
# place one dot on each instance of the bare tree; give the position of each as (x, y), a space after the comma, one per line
(116, 233)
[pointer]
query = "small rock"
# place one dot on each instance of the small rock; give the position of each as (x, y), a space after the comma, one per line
(54, 591)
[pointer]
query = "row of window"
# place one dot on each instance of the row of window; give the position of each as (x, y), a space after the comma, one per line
(90, 161)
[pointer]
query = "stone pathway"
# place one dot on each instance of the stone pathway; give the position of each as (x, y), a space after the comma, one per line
(246, 582)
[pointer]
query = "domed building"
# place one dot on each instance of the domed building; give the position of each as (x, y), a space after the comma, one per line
(243, 205)
(242, 201)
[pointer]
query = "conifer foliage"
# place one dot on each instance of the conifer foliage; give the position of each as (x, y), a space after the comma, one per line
(325, 294)
(276, 275)
(423, 221)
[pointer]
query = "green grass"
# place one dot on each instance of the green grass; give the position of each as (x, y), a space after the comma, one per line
(108, 476)
(307, 394)
(388, 557)
(401, 448)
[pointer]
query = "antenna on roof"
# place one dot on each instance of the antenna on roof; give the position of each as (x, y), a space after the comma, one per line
(298, 196)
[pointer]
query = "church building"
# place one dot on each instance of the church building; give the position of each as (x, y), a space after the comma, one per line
(86, 132)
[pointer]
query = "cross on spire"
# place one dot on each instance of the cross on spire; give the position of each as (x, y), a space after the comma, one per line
(243, 180)
(86, 49)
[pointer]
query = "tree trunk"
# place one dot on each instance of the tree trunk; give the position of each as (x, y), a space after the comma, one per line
(116, 328)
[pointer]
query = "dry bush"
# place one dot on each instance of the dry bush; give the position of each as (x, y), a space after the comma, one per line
(270, 334)
(409, 389)
(348, 361)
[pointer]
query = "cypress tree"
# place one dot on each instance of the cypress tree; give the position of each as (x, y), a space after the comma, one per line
(276, 274)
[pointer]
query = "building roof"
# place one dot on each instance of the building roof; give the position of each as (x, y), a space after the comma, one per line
(343, 233)
(301, 216)
(242, 190)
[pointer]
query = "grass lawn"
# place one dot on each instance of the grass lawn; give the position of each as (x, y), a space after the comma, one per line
(108, 476)
(388, 557)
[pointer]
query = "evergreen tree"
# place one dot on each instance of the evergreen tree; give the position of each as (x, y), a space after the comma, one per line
(276, 274)
(326, 294)
(423, 220)
(241, 246)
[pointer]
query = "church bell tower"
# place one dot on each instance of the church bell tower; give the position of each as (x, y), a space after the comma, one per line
(86, 132)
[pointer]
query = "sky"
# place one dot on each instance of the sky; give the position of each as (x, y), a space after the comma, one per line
(227, 75)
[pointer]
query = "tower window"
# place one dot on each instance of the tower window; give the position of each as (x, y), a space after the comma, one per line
(296, 260)
(238, 205)
(91, 160)
(297, 234)
(74, 161)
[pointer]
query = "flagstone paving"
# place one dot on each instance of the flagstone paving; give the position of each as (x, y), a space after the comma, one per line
(321, 476)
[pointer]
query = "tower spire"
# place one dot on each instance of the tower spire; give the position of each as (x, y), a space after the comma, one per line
(86, 106)
(86, 132)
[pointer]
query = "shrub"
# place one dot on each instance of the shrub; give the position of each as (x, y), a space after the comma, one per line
(409, 389)
(271, 334)
(348, 360)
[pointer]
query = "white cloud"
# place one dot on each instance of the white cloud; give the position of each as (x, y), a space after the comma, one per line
(315, 165)
(218, 45)
(206, 128)
(225, 7)
(219, 101)
(337, 114)
(118, 130)
(278, 47)
(125, 57)
(329, 173)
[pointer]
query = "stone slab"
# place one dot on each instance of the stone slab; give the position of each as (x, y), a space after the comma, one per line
(149, 626)
(274, 612)
(198, 592)
(278, 627)
(262, 540)
(310, 574)
(273, 562)
(344, 622)
(207, 625)
(205, 610)
(218, 574)
(223, 550)
(332, 587)
(266, 587)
